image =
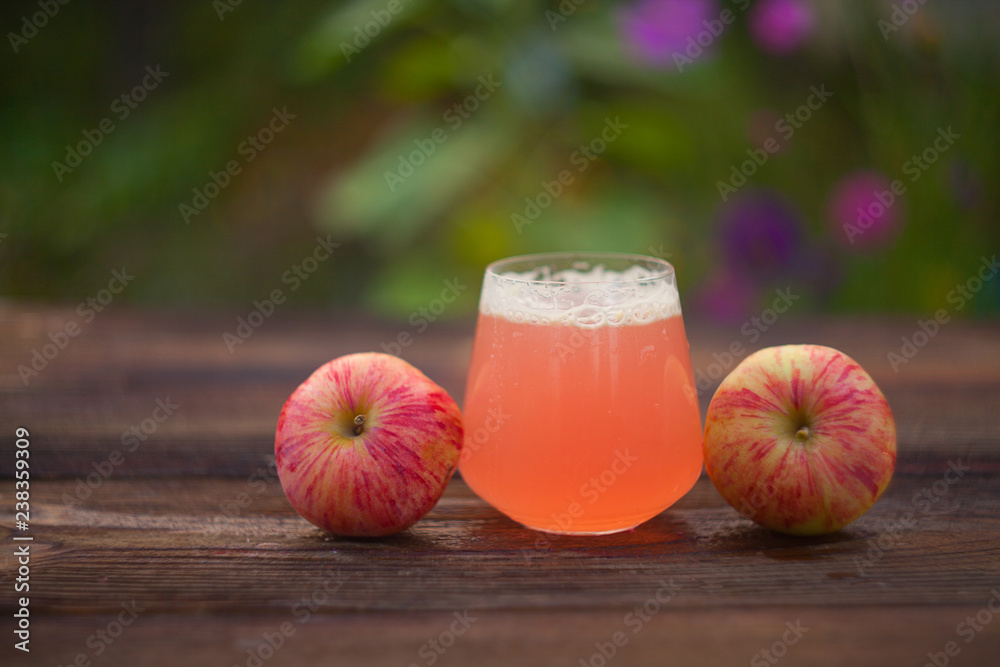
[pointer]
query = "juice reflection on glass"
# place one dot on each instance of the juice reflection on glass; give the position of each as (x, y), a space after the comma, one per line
(581, 414)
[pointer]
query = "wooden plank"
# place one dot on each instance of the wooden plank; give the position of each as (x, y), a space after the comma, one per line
(868, 636)
(934, 424)
(195, 529)
(171, 544)
(109, 379)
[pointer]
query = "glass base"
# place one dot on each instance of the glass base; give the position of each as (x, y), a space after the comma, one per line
(578, 527)
(581, 532)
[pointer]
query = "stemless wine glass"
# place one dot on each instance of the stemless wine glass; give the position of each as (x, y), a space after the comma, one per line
(581, 415)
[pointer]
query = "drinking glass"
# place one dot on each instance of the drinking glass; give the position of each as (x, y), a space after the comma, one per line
(581, 415)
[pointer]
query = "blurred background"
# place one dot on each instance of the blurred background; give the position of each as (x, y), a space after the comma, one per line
(846, 151)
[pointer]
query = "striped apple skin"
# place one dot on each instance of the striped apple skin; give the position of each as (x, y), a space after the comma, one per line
(830, 474)
(381, 481)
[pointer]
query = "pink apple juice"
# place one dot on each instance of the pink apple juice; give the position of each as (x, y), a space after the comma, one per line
(583, 420)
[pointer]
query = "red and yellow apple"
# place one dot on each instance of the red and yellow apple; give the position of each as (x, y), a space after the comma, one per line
(799, 439)
(366, 445)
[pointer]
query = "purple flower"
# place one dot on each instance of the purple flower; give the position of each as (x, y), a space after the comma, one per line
(781, 26)
(761, 234)
(864, 210)
(657, 29)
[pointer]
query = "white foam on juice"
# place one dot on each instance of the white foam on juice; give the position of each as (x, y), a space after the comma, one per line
(588, 298)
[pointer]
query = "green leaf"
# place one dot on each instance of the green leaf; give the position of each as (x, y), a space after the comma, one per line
(348, 32)
(413, 177)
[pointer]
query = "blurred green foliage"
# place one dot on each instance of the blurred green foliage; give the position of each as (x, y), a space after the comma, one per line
(392, 153)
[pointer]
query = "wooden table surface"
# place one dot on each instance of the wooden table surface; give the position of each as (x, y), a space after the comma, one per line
(182, 549)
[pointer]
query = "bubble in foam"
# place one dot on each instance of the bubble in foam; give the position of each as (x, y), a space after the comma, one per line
(590, 316)
(584, 297)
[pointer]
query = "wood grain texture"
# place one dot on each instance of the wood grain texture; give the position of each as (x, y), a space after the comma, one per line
(195, 529)
(871, 636)
(171, 545)
(109, 378)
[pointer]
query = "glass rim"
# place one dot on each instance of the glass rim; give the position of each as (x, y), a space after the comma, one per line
(663, 268)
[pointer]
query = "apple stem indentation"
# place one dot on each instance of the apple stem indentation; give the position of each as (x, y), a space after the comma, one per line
(802, 434)
(359, 425)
